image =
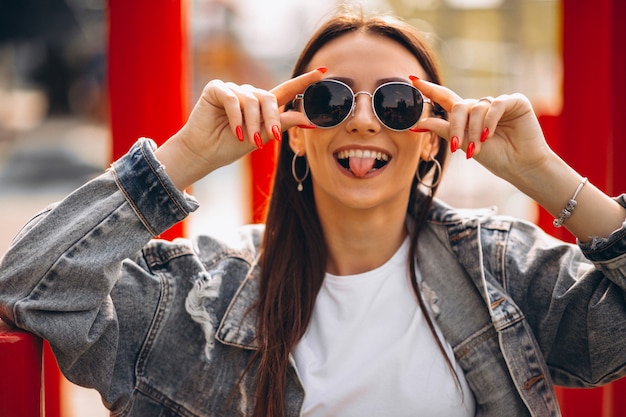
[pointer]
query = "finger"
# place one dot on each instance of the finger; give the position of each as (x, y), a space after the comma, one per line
(270, 114)
(459, 116)
(250, 99)
(441, 95)
(441, 127)
(273, 118)
(495, 111)
(493, 116)
(293, 118)
(216, 93)
(286, 91)
(476, 125)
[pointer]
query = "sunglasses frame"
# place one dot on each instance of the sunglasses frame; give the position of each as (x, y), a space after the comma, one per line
(354, 96)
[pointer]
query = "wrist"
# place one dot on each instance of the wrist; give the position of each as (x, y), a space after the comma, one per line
(550, 183)
(555, 183)
(181, 166)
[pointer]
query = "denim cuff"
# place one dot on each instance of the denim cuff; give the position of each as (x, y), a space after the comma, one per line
(148, 189)
(605, 249)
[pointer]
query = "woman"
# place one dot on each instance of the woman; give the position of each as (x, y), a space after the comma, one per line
(361, 290)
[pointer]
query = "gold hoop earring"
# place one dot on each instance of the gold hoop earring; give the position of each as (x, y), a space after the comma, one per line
(293, 171)
(436, 176)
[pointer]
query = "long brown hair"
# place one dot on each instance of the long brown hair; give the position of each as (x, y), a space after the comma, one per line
(294, 253)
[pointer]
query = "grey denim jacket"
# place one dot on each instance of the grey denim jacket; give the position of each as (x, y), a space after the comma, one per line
(165, 328)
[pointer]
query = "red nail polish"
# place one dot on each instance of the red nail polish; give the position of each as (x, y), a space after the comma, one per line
(454, 144)
(257, 140)
(470, 150)
(484, 135)
(322, 70)
(239, 132)
(414, 78)
(307, 127)
(277, 133)
(419, 130)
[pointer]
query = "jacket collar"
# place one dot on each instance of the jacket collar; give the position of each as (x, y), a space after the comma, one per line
(238, 326)
(462, 230)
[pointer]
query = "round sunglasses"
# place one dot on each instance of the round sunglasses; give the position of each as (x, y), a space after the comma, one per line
(328, 103)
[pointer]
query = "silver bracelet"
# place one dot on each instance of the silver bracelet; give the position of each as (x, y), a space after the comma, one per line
(570, 206)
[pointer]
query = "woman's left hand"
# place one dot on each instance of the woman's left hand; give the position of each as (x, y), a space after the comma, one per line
(502, 133)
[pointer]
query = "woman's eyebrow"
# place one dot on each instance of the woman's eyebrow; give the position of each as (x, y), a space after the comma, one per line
(345, 80)
(381, 81)
(393, 79)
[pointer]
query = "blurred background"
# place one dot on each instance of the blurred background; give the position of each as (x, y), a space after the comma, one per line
(54, 115)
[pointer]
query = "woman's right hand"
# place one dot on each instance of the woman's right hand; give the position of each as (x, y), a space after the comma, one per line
(228, 122)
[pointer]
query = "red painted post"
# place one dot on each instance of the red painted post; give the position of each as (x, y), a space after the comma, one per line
(617, 107)
(148, 76)
(52, 380)
(262, 163)
(586, 134)
(20, 373)
(148, 94)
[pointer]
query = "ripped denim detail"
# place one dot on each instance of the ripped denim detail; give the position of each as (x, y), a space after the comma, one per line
(206, 287)
(431, 298)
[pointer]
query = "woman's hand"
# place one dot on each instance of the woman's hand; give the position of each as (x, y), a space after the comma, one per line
(228, 122)
(501, 133)
(504, 135)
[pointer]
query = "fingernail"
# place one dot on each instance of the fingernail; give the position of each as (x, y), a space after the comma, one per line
(257, 140)
(484, 135)
(414, 78)
(470, 150)
(239, 132)
(322, 70)
(277, 133)
(306, 126)
(454, 144)
(419, 130)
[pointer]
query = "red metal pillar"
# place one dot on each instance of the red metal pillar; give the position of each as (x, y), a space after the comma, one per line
(148, 92)
(52, 381)
(587, 136)
(148, 75)
(20, 373)
(262, 163)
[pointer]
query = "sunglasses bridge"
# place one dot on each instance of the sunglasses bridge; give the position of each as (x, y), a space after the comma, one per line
(353, 109)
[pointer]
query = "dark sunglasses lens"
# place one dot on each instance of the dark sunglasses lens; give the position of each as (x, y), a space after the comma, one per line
(327, 103)
(398, 106)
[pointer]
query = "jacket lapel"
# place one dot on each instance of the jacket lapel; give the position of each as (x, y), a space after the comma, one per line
(238, 326)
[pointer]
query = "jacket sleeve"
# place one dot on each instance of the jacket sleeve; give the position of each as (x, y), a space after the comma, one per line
(57, 276)
(574, 298)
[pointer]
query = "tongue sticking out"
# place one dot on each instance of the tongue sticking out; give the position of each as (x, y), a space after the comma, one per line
(361, 166)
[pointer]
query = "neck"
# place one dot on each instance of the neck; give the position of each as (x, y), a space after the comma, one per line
(361, 240)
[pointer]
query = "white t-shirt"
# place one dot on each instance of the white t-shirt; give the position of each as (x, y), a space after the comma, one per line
(368, 351)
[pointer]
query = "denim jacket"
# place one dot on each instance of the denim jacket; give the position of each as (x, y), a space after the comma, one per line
(165, 328)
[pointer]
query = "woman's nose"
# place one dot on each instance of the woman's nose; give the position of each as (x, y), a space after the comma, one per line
(363, 118)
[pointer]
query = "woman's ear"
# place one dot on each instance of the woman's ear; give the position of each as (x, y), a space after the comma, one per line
(431, 146)
(296, 140)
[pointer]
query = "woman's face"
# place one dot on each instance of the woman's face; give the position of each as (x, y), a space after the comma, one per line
(363, 62)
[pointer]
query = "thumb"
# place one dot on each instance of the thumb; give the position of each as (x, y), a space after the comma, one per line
(292, 118)
(441, 127)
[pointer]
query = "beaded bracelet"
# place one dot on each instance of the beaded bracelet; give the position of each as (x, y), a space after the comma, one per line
(569, 207)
